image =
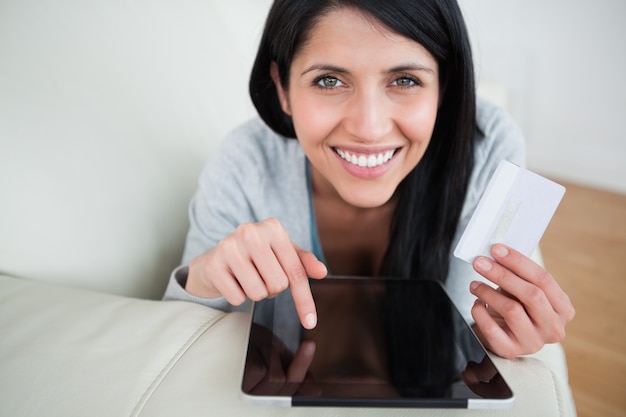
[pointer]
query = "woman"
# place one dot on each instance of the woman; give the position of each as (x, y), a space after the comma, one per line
(370, 159)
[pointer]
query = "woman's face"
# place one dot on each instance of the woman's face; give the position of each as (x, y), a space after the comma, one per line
(363, 101)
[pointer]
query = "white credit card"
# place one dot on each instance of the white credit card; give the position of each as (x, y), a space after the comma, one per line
(514, 210)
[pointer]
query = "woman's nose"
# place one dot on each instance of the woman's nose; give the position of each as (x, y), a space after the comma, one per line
(368, 117)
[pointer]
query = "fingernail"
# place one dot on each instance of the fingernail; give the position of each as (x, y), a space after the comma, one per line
(310, 321)
(474, 285)
(500, 251)
(482, 264)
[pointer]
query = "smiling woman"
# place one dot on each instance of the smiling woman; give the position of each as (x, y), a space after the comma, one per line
(387, 70)
(369, 158)
(140, 91)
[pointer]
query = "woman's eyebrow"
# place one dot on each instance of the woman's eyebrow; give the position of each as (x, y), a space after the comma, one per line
(410, 67)
(325, 67)
(340, 70)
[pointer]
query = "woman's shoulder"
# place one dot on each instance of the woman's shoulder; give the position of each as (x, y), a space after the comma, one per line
(254, 139)
(500, 137)
(253, 154)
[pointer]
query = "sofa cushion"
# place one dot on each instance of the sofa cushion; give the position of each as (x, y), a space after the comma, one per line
(68, 352)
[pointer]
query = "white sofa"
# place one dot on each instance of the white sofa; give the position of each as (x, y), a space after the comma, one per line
(108, 108)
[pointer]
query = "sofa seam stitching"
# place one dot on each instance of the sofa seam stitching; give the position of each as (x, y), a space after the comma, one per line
(143, 399)
(557, 389)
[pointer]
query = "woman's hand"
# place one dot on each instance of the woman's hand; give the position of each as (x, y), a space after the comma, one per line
(258, 260)
(528, 310)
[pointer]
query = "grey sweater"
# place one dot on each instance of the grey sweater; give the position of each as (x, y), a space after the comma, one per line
(256, 174)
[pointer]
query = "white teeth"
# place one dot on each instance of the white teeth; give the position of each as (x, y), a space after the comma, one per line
(369, 161)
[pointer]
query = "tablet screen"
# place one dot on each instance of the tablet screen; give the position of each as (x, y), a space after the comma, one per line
(378, 342)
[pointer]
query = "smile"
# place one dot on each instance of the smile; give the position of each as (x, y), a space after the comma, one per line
(366, 160)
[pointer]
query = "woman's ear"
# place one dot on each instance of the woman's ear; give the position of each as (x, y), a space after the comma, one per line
(282, 94)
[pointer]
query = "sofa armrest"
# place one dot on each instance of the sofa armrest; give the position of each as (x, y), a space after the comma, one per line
(69, 352)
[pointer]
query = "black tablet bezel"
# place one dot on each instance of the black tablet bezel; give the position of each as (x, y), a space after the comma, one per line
(435, 302)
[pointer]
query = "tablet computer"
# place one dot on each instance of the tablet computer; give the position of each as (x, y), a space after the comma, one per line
(377, 343)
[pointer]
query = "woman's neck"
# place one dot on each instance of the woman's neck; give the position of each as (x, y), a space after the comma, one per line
(354, 239)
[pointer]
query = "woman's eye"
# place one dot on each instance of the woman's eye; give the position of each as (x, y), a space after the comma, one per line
(328, 82)
(405, 82)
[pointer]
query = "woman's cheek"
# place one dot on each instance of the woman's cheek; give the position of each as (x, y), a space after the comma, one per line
(314, 122)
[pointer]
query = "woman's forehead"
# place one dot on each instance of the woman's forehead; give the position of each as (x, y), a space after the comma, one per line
(348, 34)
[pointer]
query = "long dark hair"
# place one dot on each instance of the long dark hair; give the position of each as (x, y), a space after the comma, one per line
(431, 197)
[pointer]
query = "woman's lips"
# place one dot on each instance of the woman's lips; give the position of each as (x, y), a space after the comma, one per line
(369, 160)
(367, 164)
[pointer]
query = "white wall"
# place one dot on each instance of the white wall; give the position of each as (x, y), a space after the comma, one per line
(108, 110)
(561, 66)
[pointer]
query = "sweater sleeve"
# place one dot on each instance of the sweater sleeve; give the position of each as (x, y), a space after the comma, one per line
(253, 175)
(176, 291)
(501, 139)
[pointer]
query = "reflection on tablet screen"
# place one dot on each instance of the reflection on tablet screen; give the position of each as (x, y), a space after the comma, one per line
(378, 342)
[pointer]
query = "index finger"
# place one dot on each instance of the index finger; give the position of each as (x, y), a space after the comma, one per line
(303, 299)
(289, 260)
